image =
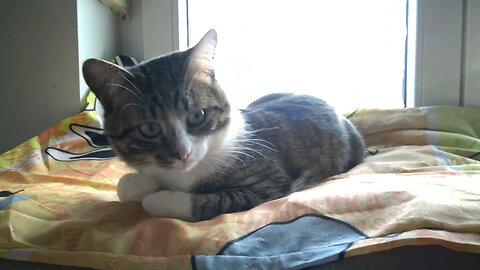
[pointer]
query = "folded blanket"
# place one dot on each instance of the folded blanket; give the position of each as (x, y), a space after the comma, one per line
(419, 185)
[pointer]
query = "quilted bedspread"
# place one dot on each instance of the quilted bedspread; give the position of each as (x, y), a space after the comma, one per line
(419, 185)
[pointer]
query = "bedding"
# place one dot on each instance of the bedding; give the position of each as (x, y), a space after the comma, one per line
(418, 186)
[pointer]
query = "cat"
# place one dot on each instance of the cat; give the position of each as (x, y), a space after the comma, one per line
(196, 157)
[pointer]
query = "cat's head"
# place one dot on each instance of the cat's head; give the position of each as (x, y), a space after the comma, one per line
(167, 112)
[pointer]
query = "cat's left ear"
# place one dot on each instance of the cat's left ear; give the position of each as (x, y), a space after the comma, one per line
(104, 78)
(203, 54)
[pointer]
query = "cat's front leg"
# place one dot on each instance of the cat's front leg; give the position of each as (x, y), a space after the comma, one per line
(172, 204)
(133, 187)
(196, 207)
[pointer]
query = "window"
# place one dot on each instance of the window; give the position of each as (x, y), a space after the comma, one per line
(350, 53)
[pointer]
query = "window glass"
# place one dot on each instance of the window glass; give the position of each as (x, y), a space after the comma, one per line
(350, 53)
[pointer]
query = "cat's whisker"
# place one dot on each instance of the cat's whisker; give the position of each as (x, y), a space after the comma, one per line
(242, 153)
(265, 146)
(205, 162)
(255, 151)
(241, 150)
(255, 140)
(220, 160)
(230, 154)
(236, 151)
(217, 169)
(254, 111)
(261, 129)
(133, 104)
(132, 84)
(128, 89)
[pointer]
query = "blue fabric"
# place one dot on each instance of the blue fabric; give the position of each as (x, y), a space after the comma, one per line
(4, 203)
(306, 241)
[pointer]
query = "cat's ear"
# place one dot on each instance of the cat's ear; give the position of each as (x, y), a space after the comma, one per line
(102, 77)
(202, 55)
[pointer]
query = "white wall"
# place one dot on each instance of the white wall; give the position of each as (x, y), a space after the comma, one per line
(42, 46)
(39, 82)
(98, 34)
(152, 29)
(131, 32)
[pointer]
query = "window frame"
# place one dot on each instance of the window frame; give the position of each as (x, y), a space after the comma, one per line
(436, 57)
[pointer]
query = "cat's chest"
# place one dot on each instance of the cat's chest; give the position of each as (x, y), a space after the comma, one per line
(174, 180)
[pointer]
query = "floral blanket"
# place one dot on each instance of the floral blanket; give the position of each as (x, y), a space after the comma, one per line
(419, 185)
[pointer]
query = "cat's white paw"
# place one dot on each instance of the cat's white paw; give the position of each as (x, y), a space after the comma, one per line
(174, 204)
(133, 187)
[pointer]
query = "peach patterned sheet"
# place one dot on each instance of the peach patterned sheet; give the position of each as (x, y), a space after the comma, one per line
(419, 185)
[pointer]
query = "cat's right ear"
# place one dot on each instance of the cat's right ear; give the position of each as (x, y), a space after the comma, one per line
(101, 76)
(202, 55)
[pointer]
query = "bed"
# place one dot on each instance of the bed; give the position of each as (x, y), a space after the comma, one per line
(415, 199)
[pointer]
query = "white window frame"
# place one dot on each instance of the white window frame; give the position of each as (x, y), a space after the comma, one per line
(441, 70)
(471, 67)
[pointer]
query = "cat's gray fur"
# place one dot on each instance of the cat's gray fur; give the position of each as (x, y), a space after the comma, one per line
(285, 142)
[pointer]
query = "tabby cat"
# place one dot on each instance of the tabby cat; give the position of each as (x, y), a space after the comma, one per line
(195, 156)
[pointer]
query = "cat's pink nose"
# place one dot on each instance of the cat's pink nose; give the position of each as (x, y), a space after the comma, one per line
(184, 156)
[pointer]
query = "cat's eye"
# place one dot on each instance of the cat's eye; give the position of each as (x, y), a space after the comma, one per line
(197, 118)
(149, 130)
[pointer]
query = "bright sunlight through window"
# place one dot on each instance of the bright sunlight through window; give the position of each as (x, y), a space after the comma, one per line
(350, 53)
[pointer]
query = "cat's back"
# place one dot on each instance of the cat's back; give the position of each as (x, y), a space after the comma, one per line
(306, 132)
(294, 111)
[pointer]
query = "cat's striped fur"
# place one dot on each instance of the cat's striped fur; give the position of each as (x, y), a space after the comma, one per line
(196, 157)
